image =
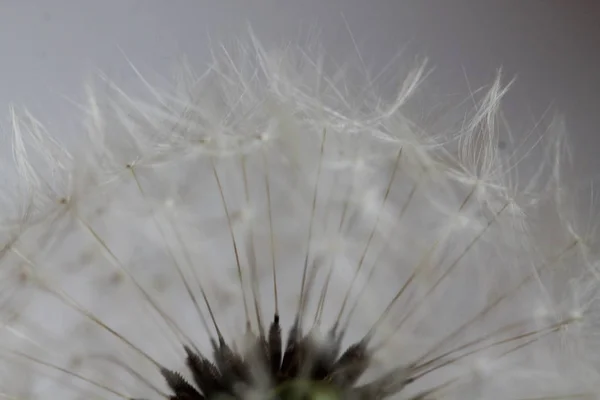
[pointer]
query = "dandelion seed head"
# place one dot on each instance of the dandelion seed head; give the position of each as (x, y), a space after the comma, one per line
(267, 230)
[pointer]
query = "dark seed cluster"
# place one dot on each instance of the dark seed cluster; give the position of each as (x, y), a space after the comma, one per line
(305, 369)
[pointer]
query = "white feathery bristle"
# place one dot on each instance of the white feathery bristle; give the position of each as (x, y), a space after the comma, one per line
(268, 186)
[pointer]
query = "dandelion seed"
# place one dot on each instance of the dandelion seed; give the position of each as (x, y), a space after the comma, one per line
(260, 232)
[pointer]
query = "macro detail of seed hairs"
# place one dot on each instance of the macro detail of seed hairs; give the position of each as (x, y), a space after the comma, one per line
(276, 227)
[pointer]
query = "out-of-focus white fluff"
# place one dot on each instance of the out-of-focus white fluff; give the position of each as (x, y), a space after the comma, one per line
(487, 283)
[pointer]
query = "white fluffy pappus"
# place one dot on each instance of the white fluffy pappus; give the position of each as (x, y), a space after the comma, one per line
(270, 229)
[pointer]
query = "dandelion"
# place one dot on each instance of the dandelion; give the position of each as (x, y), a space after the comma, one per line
(270, 230)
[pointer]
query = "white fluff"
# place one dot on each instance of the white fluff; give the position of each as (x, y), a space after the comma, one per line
(106, 241)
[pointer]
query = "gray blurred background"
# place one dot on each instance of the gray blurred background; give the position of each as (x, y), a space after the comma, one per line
(50, 47)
